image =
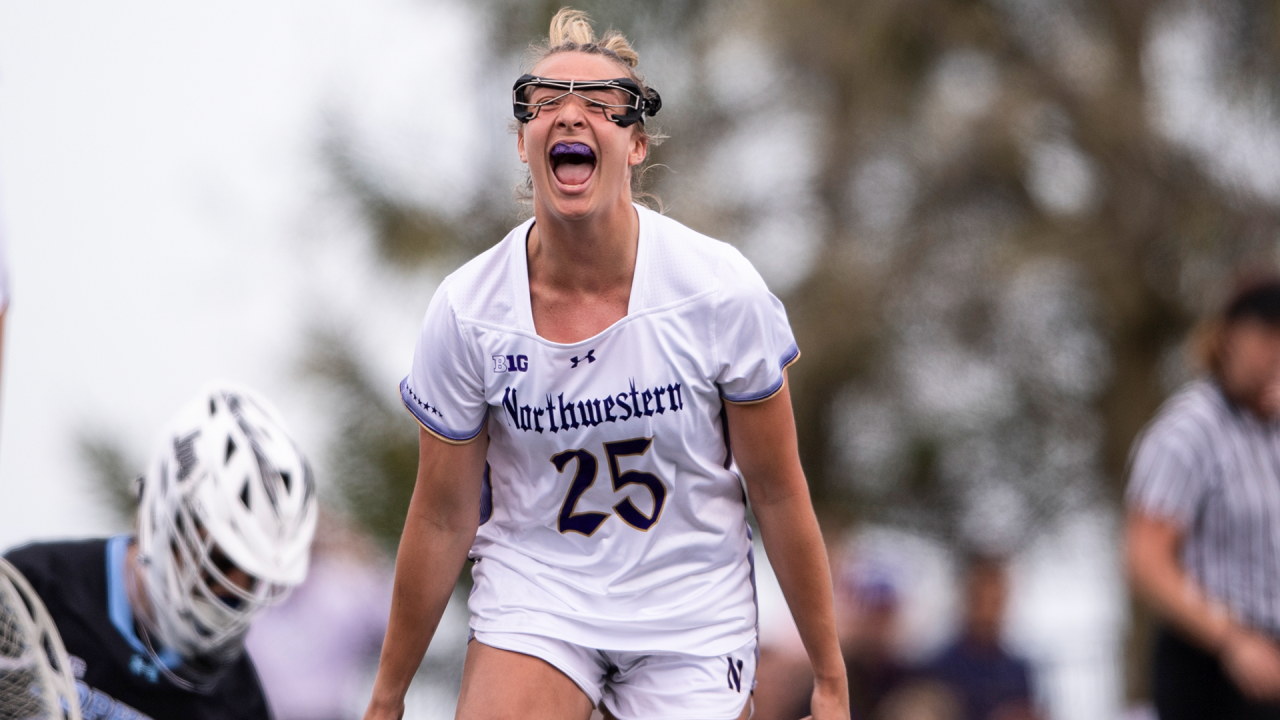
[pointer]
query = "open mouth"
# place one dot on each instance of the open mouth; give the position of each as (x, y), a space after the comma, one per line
(572, 162)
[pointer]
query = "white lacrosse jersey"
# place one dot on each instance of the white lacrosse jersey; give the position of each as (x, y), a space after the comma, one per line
(613, 516)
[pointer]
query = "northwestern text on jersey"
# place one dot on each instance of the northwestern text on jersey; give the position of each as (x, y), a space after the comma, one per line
(591, 412)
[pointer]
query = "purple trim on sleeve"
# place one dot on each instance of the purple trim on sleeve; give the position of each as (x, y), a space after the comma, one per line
(787, 358)
(431, 418)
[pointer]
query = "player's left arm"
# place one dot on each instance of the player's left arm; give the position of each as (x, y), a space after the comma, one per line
(763, 438)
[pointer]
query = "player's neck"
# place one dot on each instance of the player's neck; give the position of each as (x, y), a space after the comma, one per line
(139, 601)
(594, 254)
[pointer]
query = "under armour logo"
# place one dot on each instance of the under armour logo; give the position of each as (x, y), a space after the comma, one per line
(144, 668)
(588, 358)
(735, 675)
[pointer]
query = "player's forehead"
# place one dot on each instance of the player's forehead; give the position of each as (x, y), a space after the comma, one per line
(573, 65)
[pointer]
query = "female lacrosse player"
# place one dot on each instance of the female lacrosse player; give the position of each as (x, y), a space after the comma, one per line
(155, 624)
(579, 387)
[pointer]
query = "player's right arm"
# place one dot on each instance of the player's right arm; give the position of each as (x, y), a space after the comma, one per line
(763, 438)
(444, 514)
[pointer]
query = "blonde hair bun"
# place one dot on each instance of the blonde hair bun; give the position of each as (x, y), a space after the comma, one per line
(571, 29)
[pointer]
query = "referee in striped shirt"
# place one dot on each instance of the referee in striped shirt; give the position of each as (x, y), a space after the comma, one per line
(1203, 520)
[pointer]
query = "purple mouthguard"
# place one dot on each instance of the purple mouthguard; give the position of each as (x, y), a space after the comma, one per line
(567, 151)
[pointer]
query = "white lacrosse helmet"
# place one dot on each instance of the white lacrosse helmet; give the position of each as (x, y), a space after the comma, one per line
(227, 490)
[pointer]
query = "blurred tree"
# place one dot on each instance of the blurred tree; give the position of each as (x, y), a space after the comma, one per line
(376, 456)
(992, 223)
(112, 472)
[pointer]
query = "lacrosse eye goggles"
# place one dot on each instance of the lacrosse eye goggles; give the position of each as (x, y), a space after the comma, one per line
(597, 94)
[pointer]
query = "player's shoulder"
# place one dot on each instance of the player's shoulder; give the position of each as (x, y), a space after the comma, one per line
(69, 576)
(1191, 417)
(684, 262)
(485, 288)
(38, 561)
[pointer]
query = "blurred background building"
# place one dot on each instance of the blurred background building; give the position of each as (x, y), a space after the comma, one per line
(991, 221)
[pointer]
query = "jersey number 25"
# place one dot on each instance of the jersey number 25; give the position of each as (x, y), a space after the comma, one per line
(587, 523)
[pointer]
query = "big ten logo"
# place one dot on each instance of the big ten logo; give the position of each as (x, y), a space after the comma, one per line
(510, 363)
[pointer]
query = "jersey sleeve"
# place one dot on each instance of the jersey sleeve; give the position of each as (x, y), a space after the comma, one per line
(1167, 473)
(444, 389)
(753, 338)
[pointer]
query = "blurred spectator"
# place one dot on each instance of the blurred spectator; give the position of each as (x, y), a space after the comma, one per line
(784, 683)
(1203, 526)
(868, 636)
(784, 678)
(316, 651)
(989, 682)
(867, 614)
(920, 701)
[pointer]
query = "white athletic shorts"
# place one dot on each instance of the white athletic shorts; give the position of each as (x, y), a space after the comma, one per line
(639, 686)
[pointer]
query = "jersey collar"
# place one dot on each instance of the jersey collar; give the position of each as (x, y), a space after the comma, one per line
(639, 278)
(119, 608)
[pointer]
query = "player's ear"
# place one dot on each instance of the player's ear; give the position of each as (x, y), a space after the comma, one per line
(639, 148)
(524, 157)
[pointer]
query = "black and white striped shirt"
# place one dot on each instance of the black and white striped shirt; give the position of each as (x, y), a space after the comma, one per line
(1214, 469)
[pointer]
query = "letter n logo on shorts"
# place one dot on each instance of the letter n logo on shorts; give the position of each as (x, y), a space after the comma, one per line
(735, 674)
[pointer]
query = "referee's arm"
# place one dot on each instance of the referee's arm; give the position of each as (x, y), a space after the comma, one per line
(1152, 545)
